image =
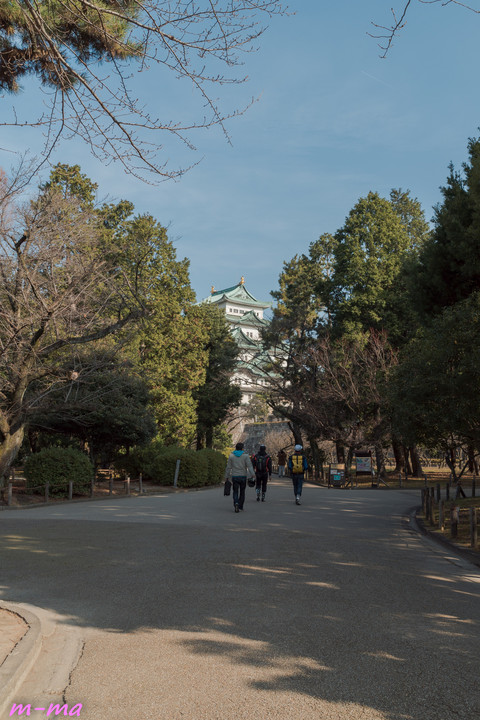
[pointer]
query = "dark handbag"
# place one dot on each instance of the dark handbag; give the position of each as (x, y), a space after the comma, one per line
(251, 482)
(227, 487)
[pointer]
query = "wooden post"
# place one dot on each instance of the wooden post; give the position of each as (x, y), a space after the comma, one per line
(447, 491)
(473, 485)
(454, 521)
(432, 508)
(177, 470)
(438, 492)
(70, 489)
(127, 484)
(140, 483)
(400, 478)
(110, 483)
(47, 488)
(441, 521)
(473, 527)
(9, 493)
(427, 504)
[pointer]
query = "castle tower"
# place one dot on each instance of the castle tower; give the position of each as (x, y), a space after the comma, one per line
(246, 317)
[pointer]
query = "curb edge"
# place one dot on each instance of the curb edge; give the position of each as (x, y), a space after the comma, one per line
(19, 662)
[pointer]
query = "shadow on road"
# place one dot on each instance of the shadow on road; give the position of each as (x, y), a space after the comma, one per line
(340, 603)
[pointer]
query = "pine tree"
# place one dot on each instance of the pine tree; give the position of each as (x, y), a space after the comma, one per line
(449, 265)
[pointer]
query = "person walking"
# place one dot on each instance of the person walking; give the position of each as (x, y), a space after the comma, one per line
(282, 461)
(297, 465)
(262, 464)
(239, 467)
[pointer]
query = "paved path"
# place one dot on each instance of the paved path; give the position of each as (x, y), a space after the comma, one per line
(332, 610)
(12, 629)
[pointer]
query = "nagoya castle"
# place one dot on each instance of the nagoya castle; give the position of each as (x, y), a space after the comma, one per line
(245, 315)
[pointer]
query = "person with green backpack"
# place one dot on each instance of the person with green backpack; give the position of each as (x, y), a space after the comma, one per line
(297, 464)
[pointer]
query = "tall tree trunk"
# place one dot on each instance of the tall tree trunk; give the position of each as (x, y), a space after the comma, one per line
(200, 439)
(417, 469)
(297, 435)
(408, 467)
(348, 466)
(399, 454)
(11, 444)
(32, 436)
(316, 458)
(340, 449)
(472, 463)
(380, 459)
(451, 462)
(209, 437)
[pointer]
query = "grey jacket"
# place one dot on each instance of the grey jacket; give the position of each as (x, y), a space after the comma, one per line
(239, 465)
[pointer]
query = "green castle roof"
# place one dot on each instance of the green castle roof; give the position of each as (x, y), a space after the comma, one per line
(249, 318)
(238, 294)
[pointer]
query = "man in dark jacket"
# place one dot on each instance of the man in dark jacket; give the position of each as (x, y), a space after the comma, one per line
(262, 464)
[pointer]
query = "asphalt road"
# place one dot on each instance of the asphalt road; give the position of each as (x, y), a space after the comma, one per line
(331, 610)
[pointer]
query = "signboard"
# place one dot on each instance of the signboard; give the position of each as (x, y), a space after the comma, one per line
(336, 474)
(363, 463)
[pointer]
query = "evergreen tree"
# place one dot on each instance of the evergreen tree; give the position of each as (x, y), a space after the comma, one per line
(354, 287)
(436, 388)
(170, 343)
(105, 405)
(449, 265)
(373, 249)
(217, 395)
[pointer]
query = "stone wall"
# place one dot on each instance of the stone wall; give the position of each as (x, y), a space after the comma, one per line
(275, 435)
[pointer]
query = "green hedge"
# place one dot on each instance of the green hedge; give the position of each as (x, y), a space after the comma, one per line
(217, 463)
(58, 465)
(158, 463)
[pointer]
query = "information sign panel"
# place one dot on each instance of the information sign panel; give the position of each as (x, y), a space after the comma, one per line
(336, 474)
(363, 464)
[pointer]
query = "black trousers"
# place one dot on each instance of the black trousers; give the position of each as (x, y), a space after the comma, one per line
(239, 485)
(261, 482)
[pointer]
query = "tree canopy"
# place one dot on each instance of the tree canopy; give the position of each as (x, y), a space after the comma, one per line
(448, 270)
(217, 395)
(85, 287)
(343, 311)
(59, 292)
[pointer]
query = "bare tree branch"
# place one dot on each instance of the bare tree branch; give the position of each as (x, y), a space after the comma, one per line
(84, 51)
(391, 31)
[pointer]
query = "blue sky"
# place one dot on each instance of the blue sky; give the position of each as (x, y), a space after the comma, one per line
(333, 121)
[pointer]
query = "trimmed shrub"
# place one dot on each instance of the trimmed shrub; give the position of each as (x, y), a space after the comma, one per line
(138, 460)
(58, 465)
(193, 471)
(157, 463)
(217, 463)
